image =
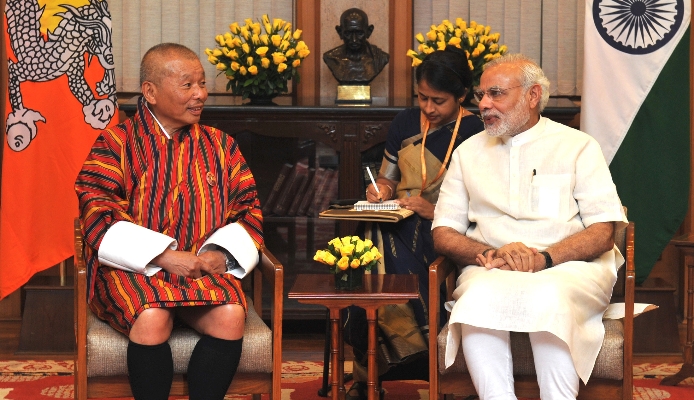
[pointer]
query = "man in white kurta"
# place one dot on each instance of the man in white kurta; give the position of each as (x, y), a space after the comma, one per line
(528, 208)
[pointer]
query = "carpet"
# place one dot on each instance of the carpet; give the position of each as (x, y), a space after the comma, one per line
(45, 380)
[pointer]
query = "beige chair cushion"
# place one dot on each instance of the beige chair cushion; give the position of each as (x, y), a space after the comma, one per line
(609, 364)
(107, 348)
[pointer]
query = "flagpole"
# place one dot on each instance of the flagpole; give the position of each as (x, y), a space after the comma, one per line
(63, 273)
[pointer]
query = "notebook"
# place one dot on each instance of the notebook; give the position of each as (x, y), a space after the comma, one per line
(364, 205)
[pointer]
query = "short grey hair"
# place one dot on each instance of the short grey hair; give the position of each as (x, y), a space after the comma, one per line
(532, 74)
(152, 66)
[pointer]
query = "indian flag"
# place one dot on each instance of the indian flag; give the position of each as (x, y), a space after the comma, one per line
(635, 102)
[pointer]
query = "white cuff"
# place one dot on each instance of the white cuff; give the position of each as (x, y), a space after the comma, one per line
(131, 247)
(236, 240)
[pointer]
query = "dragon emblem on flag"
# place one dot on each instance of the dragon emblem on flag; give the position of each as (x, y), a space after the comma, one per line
(81, 30)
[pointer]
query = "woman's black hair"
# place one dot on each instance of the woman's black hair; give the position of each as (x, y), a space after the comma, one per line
(446, 71)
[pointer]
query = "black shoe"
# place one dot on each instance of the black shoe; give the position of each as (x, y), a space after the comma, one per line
(358, 392)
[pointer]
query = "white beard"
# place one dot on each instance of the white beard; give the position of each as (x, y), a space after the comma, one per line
(510, 123)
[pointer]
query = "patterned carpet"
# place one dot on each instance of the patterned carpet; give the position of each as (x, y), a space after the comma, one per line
(44, 380)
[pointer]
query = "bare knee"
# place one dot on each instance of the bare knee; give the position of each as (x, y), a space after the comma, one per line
(152, 326)
(226, 322)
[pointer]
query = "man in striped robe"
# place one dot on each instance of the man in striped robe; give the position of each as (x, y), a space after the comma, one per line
(171, 222)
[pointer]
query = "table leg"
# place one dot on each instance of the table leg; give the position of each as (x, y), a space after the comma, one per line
(335, 350)
(688, 366)
(372, 376)
(341, 359)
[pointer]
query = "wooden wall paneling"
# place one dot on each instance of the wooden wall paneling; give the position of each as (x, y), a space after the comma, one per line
(401, 38)
(308, 20)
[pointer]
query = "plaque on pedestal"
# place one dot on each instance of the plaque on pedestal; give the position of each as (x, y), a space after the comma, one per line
(353, 95)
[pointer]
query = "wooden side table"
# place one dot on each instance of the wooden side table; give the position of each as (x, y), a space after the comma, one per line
(378, 290)
(685, 244)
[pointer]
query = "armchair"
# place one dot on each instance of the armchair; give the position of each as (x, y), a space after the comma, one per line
(101, 365)
(612, 376)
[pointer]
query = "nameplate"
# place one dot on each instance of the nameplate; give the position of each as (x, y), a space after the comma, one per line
(353, 95)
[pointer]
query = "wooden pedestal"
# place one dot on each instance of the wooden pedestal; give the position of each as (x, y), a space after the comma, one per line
(656, 332)
(47, 322)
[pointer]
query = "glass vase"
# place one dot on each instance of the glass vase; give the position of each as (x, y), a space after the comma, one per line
(262, 100)
(350, 279)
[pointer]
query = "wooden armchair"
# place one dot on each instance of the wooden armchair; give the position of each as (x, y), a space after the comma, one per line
(612, 376)
(101, 365)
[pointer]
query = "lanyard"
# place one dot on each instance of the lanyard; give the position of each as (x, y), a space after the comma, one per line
(448, 153)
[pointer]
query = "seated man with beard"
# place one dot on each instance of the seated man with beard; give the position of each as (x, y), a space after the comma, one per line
(528, 210)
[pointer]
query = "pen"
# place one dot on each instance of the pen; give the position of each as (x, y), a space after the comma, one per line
(373, 181)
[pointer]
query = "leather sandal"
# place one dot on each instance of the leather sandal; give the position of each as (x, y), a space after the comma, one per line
(358, 392)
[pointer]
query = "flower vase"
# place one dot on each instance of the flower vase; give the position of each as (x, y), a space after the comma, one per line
(349, 279)
(262, 100)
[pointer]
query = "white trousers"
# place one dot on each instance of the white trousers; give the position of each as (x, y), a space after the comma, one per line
(488, 358)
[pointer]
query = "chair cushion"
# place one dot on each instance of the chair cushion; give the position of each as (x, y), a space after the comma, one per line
(107, 348)
(608, 365)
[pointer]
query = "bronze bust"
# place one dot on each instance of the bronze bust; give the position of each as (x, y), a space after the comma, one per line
(356, 62)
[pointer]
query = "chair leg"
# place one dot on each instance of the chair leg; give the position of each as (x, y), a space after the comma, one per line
(256, 396)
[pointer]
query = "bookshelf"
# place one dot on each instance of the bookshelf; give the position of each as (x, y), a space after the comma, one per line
(339, 138)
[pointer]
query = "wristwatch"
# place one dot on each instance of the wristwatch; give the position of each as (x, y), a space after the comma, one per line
(229, 260)
(548, 260)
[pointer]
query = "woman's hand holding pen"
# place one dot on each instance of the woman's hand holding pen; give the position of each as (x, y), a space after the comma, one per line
(385, 192)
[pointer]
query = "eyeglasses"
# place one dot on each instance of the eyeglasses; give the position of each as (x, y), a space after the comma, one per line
(495, 93)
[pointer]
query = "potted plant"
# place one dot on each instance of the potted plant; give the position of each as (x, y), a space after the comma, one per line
(348, 258)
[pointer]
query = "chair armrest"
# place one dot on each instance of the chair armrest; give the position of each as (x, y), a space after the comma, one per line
(439, 271)
(80, 298)
(629, 284)
(273, 271)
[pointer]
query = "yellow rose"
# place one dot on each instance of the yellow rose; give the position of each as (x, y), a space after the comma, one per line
(471, 40)
(249, 61)
(329, 258)
(420, 38)
(264, 39)
(226, 51)
(469, 63)
(473, 24)
(227, 37)
(219, 39)
(337, 243)
(346, 240)
(368, 243)
(265, 62)
(265, 19)
(367, 258)
(287, 35)
(488, 57)
(221, 66)
(448, 25)
(460, 23)
(253, 69)
(261, 51)
(480, 47)
(208, 51)
(441, 45)
(455, 41)
(287, 26)
(217, 52)
(441, 28)
(303, 53)
(347, 250)
(248, 21)
(268, 27)
(233, 55)
(244, 32)
(242, 70)
(276, 40)
(428, 50)
(355, 263)
(318, 256)
(234, 28)
(246, 48)
(458, 33)
(290, 53)
(277, 23)
(470, 32)
(494, 47)
(411, 53)
(375, 253)
(487, 29)
(296, 63)
(503, 49)
(343, 264)
(416, 62)
(440, 37)
(301, 45)
(235, 66)
(297, 34)
(255, 39)
(230, 77)
(278, 57)
(256, 28)
(212, 59)
(475, 53)
(467, 54)
(236, 42)
(480, 29)
(284, 45)
(431, 35)
(420, 48)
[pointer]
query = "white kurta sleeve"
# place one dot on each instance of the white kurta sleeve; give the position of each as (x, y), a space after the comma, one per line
(453, 203)
(131, 247)
(238, 242)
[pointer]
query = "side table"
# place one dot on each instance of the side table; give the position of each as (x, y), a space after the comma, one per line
(378, 290)
(685, 244)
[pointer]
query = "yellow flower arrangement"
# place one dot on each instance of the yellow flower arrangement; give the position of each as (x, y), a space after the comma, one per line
(348, 252)
(479, 44)
(259, 58)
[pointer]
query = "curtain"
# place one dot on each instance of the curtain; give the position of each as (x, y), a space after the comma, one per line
(549, 31)
(140, 24)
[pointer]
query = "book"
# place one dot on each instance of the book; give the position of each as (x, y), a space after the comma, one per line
(319, 193)
(366, 215)
(306, 202)
(331, 191)
(276, 189)
(296, 202)
(366, 206)
(290, 188)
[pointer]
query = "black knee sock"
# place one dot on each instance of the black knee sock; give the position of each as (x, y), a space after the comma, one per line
(150, 370)
(212, 367)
